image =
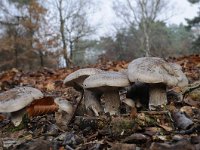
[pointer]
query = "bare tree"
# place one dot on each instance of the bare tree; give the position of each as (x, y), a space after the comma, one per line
(141, 14)
(25, 32)
(73, 24)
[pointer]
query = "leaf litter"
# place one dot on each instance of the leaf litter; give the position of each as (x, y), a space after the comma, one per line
(175, 126)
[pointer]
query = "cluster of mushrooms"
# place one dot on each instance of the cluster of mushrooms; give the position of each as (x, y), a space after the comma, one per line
(13, 103)
(96, 83)
(154, 71)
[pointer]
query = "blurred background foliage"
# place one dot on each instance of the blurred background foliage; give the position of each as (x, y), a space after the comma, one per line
(58, 33)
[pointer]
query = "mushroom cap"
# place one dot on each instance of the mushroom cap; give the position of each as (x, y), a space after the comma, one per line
(181, 77)
(106, 79)
(17, 98)
(78, 76)
(156, 70)
(64, 105)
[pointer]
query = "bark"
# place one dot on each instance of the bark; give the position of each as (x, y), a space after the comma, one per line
(16, 58)
(145, 29)
(71, 49)
(41, 59)
(62, 32)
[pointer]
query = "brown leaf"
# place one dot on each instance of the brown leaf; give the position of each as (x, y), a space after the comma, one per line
(2, 117)
(120, 146)
(133, 113)
(181, 145)
(42, 106)
(188, 110)
(50, 86)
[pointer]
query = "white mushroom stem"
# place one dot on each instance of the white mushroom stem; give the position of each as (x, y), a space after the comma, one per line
(157, 95)
(129, 102)
(92, 102)
(112, 102)
(17, 116)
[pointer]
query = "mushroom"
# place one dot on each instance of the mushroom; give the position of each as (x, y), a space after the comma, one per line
(91, 99)
(158, 74)
(64, 113)
(64, 105)
(14, 100)
(108, 83)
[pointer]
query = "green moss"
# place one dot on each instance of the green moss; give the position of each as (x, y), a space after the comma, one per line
(123, 125)
(12, 128)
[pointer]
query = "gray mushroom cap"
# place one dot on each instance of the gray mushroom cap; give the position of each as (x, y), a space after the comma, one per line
(181, 77)
(106, 79)
(17, 98)
(78, 76)
(156, 70)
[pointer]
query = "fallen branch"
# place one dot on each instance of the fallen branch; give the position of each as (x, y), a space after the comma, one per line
(191, 88)
(154, 112)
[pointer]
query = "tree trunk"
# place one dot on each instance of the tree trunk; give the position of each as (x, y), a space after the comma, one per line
(71, 49)
(41, 58)
(146, 35)
(68, 62)
(16, 58)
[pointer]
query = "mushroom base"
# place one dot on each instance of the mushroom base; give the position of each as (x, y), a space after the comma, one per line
(112, 102)
(92, 103)
(17, 116)
(157, 95)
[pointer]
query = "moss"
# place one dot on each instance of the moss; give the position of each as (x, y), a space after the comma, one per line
(126, 125)
(195, 95)
(23, 124)
(12, 128)
(146, 121)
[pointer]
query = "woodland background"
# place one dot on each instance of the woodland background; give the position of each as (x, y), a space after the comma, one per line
(61, 33)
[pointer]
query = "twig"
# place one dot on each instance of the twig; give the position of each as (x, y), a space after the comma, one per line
(193, 129)
(76, 107)
(92, 136)
(190, 89)
(154, 112)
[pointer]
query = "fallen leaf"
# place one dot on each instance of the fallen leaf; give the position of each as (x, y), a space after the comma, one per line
(42, 106)
(2, 117)
(181, 121)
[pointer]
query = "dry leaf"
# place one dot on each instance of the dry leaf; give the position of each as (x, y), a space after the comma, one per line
(2, 117)
(42, 106)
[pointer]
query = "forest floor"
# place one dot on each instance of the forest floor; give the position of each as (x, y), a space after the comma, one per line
(175, 127)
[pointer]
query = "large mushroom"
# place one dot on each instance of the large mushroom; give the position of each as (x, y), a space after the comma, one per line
(158, 74)
(14, 100)
(91, 99)
(108, 83)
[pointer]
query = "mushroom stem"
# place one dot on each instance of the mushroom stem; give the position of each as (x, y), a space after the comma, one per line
(17, 116)
(112, 102)
(92, 102)
(157, 95)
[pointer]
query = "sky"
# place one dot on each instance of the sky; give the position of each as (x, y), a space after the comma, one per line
(181, 9)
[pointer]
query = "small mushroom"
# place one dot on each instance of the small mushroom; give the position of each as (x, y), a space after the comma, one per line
(14, 100)
(64, 105)
(108, 83)
(158, 74)
(64, 113)
(91, 99)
